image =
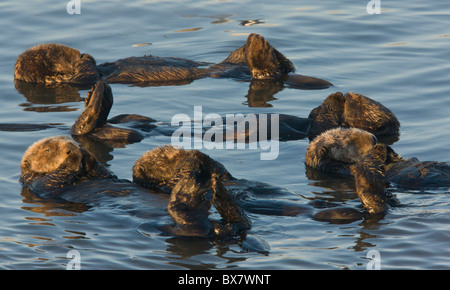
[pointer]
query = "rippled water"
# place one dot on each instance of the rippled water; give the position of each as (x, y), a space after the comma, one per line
(399, 58)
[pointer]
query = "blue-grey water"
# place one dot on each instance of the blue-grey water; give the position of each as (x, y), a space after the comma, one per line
(400, 57)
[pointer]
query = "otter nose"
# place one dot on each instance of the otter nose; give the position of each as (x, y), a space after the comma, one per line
(374, 140)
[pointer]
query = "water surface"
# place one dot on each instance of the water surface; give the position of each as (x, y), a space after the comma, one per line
(399, 58)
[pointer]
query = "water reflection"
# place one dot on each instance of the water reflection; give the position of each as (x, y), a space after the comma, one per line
(261, 92)
(50, 207)
(48, 96)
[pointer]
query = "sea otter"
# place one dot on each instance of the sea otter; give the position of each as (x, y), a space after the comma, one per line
(166, 168)
(336, 150)
(57, 167)
(354, 111)
(371, 185)
(56, 63)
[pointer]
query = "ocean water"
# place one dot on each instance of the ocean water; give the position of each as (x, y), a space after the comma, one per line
(399, 57)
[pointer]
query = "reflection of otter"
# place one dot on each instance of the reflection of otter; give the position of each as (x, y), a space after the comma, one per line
(336, 150)
(57, 167)
(56, 63)
(355, 111)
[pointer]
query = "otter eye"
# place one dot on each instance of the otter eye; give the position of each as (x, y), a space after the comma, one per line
(374, 140)
(68, 151)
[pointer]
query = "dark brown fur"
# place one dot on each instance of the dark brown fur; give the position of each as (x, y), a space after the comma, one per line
(162, 167)
(56, 63)
(370, 180)
(55, 162)
(56, 166)
(92, 121)
(335, 150)
(354, 111)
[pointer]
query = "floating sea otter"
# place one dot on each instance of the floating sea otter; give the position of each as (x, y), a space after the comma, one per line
(336, 150)
(56, 167)
(56, 63)
(166, 168)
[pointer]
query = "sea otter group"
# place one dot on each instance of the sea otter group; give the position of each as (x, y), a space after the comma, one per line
(347, 135)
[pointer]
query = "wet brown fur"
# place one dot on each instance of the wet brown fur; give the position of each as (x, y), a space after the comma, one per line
(354, 111)
(370, 180)
(335, 150)
(55, 162)
(164, 166)
(92, 121)
(55, 63)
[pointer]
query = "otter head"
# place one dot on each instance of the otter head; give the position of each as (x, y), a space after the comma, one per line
(55, 63)
(163, 167)
(56, 161)
(49, 154)
(336, 149)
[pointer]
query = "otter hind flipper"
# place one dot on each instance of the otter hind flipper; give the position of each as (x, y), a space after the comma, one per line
(95, 114)
(263, 60)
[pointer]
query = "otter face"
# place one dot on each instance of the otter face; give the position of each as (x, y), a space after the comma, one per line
(339, 145)
(55, 63)
(49, 154)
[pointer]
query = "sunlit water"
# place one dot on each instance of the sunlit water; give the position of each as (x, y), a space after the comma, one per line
(399, 58)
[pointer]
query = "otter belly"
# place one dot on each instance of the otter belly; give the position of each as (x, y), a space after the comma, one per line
(150, 69)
